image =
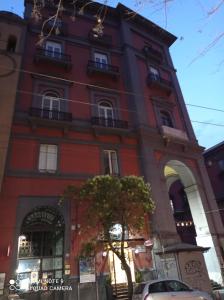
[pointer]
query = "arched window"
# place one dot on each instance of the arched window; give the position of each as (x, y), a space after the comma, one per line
(11, 44)
(106, 114)
(166, 118)
(40, 247)
(50, 106)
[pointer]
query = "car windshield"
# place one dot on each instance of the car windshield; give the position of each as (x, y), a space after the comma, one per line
(139, 288)
(176, 286)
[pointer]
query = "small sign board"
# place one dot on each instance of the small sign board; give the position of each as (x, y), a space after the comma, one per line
(87, 269)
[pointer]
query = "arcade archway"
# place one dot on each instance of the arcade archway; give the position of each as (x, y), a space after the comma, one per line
(175, 171)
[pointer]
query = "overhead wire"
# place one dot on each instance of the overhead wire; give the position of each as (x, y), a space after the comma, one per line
(99, 87)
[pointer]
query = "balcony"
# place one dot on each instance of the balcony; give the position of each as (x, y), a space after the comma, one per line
(155, 81)
(153, 54)
(111, 123)
(59, 59)
(101, 68)
(50, 114)
(104, 40)
(170, 133)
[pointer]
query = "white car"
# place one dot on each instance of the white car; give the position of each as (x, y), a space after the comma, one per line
(167, 289)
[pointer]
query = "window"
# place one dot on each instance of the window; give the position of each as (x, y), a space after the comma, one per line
(50, 106)
(110, 162)
(154, 73)
(221, 164)
(53, 49)
(106, 114)
(11, 44)
(101, 60)
(48, 158)
(40, 247)
(166, 119)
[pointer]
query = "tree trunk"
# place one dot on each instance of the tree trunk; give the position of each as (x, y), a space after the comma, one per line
(129, 278)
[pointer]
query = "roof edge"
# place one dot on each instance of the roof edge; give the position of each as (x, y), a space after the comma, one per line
(166, 36)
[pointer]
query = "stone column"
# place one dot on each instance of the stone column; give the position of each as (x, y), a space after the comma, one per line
(204, 237)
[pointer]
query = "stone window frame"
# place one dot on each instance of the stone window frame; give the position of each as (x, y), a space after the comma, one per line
(161, 104)
(46, 171)
(98, 96)
(57, 41)
(110, 148)
(41, 87)
(102, 51)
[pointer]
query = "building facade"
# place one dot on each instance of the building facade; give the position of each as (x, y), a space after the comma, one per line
(214, 161)
(93, 104)
(12, 29)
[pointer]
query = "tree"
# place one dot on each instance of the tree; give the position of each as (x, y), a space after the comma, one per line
(109, 202)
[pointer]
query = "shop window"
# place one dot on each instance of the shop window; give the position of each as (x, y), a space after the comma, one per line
(110, 162)
(48, 158)
(11, 44)
(40, 247)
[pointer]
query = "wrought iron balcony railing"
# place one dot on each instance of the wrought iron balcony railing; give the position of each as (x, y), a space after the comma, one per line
(154, 78)
(160, 83)
(58, 58)
(50, 114)
(99, 67)
(114, 123)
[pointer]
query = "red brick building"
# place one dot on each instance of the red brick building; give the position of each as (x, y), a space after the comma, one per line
(88, 105)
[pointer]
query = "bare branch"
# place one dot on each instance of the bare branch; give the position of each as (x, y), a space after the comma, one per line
(215, 8)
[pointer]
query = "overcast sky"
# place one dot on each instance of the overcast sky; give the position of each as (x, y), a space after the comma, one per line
(201, 76)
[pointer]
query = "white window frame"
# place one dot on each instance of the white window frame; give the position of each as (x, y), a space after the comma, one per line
(154, 73)
(112, 161)
(52, 99)
(105, 110)
(53, 49)
(48, 156)
(101, 60)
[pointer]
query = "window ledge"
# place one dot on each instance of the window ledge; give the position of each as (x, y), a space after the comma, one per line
(170, 133)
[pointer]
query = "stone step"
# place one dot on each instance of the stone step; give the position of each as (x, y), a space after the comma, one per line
(121, 291)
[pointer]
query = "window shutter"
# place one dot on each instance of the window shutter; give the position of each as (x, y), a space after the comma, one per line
(114, 163)
(52, 158)
(42, 158)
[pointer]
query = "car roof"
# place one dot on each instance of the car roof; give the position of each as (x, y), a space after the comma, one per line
(162, 280)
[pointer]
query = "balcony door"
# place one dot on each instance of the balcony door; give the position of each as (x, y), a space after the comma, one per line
(53, 49)
(101, 60)
(106, 114)
(50, 106)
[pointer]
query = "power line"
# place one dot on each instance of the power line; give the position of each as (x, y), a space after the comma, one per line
(207, 123)
(101, 87)
(205, 107)
(120, 109)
